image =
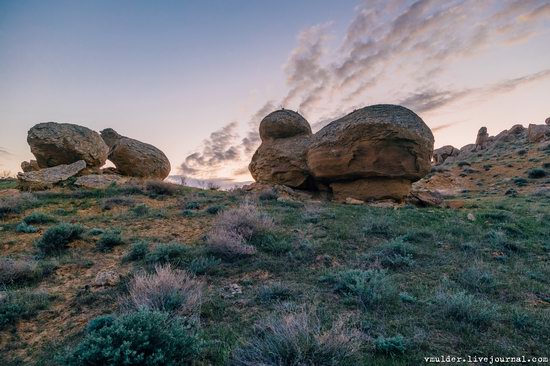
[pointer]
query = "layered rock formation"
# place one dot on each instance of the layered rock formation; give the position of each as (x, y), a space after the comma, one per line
(135, 158)
(373, 153)
(47, 177)
(55, 144)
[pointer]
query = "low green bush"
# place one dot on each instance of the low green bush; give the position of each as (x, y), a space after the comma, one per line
(23, 227)
(138, 251)
(21, 304)
(57, 237)
(38, 218)
(140, 338)
(109, 239)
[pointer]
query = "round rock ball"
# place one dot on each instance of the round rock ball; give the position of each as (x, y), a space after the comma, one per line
(283, 124)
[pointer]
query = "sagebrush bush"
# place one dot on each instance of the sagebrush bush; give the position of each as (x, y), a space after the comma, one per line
(169, 290)
(465, 308)
(297, 339)
(202, 265)
(268, 195)
(235, 229)
(21, 304)
(141, 210)
(57, 237)
(536, 173)
(38, 218)
(23, 227)
(141, 338)
(160, 188)
(138, 251)
(16, 204)
(228, 245)
(390, 345)
(168, 253)
(393, 254)
(379, 225)
(117, 201)
(109, 239)
(370, 288)
(274, 292)
(477, 278)
(14, 271)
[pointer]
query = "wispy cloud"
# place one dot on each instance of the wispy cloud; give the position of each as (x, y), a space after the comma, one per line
(394, 50)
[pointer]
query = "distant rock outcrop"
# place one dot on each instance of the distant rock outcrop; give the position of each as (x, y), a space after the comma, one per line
(547, 122)
(441, 154)
(482, 138)
(373, 153)
(47, 177)
(537, 133)
(135, 158)
(55, 144)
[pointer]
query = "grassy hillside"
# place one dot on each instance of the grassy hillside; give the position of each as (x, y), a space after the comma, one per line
(275, 280)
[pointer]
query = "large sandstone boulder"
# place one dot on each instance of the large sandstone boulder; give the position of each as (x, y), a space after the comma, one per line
(374, 152)
(99, 181)
(281, 158)
(135, 158)
(47, 177)
(54, 144)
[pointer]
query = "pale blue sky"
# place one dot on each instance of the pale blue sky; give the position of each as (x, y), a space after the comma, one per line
(172, 72)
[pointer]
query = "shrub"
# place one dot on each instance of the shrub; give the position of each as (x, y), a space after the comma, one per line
(465, 308)
(269, 243)
(520, 182)
(169, 253)
(141, 338)
(21, 304)
(16, 204)
(23, 227)
(213, 210)
(463, 163)
(109, 240)
(370, 288)
(228, 245)
(379, 225)
(268, 195)
(16, 271)
(274, 292)
(56, 238)
(297, 339)
(95, 231)
(394, 254)
(192, 205)
(160, 188)
(390, 345)
(168, 290)
(202, 265)
(112, 202)
(138, 251)
(38, 218)
(475, 278)
(140, 210)
(245, 221)
(536, 173)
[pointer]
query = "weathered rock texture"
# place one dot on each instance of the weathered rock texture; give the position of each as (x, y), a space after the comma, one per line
(441, 154)
(372, 153)
(537, 133)
(98, 181)
(30, 166)
(482, 138)
(378, 146)
(135, 158)
(55, 144)
(47, 177)
(281, 158)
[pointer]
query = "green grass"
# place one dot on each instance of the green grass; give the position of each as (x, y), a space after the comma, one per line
(408, 282)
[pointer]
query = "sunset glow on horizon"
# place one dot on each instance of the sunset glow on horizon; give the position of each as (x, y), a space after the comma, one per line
(194, 78)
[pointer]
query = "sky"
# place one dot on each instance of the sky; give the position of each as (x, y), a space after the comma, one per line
(195, 78)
